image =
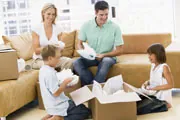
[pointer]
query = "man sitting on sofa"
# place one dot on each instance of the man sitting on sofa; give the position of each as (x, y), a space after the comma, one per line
(105, 38)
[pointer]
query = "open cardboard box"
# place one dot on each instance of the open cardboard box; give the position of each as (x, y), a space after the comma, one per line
(111, 107)
(8, 63)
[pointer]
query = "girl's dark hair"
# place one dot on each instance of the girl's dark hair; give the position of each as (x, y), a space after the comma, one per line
(159, 52)
(101, 5)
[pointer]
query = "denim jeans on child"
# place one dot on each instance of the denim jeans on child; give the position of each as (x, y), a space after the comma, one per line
(81, 66)
(79, 112)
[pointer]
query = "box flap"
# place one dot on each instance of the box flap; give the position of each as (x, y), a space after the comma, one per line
(121, 97)
(132, 88)
(81, 95)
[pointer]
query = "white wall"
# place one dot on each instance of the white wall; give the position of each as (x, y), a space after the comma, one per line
(146, 16)
(177, 20)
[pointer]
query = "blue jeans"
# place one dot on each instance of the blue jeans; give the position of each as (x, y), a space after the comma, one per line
(81, 66)
(79, 112)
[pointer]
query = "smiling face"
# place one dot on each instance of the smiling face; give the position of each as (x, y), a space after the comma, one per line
(101, 16)
(49, 15)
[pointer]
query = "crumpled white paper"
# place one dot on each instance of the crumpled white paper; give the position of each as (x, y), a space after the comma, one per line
(87, 52)
(113, 85)
(59, 43)
(21, 64)
(148, 92)
(67, 73)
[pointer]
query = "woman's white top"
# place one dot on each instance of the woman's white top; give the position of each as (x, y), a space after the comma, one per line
(156, 79)
(43, 40)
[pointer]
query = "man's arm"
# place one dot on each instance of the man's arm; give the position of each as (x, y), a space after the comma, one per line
(116, 52)
(80, 45)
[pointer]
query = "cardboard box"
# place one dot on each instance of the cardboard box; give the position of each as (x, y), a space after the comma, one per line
(8, 64)
(111, 107)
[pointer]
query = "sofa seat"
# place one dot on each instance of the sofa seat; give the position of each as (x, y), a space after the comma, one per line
(134, 68)
(16, 93)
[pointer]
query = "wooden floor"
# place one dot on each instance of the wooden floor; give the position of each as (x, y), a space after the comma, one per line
(31, 112)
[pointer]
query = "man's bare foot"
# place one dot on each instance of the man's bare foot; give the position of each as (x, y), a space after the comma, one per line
(55, 117)
(46, 117)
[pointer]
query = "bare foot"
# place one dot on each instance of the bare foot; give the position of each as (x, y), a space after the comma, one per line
(46, 117)
(55, 117)
(169, 105)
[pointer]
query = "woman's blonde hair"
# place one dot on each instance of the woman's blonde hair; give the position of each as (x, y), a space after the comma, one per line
(46, 7)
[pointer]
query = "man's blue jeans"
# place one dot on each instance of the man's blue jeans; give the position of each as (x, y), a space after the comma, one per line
(81, 66)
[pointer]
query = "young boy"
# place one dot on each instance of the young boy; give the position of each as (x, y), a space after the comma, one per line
(57, 104)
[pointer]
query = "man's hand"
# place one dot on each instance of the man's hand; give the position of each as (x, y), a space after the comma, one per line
(99, 56)
(80, 47)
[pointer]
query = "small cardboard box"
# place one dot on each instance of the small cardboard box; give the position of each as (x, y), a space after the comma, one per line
(111, 107)
(8, 64)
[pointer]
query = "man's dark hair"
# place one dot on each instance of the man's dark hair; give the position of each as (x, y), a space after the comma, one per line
(159, 52)
(101, 5)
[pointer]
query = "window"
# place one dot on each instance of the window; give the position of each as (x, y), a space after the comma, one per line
(15, 20)
(11, 4)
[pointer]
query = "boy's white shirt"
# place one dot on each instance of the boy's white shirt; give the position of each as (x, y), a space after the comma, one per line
(49, 85)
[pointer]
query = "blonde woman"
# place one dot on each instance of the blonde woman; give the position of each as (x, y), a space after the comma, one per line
(48, 33)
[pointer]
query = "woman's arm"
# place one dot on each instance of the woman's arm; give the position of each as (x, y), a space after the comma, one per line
(168, 76)
(36, 45)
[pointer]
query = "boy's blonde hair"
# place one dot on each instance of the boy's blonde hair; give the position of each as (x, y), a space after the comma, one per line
(49, 50)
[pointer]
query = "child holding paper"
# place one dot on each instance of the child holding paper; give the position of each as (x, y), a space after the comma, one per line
(57, 104)
(161, 80)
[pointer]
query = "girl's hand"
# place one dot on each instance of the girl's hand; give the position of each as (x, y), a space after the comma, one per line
(146, 84)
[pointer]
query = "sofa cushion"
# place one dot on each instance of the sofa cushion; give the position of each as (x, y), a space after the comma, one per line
(69, 40)
(22, 44)
(138, 43)
(135, 68)
(76, 54)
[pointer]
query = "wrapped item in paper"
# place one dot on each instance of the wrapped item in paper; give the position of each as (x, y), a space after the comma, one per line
(113, 85)
(87, 52)
(59, 43)
(21, 65)
(67, 73)
(148, 92)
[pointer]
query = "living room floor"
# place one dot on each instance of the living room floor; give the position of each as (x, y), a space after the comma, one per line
(32, 112)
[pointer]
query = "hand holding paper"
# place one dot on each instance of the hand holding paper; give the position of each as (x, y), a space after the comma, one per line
(67, 73)
(87, 52)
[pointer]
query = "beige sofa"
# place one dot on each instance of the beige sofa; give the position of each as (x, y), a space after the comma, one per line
(133, 65)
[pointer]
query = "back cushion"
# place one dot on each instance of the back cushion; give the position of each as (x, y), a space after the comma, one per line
(22, 44)
(76, 54)
(69, 40)
(138, 43)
